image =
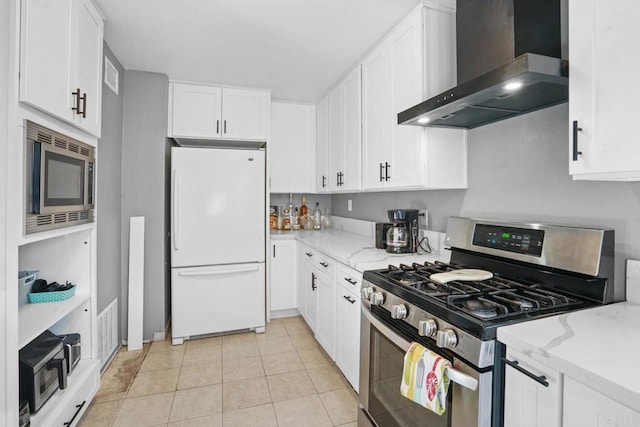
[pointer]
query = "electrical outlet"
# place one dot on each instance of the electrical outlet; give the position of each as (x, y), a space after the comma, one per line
(423, 218)
(349, 205)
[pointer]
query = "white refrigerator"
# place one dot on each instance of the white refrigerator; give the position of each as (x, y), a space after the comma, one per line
(218, 226)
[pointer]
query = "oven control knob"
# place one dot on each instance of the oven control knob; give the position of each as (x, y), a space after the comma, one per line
(427, 328)
(398, 311)
(446, 338)
(366, 292)
(377, 298)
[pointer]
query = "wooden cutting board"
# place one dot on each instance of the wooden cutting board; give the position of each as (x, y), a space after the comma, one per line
(465, 274)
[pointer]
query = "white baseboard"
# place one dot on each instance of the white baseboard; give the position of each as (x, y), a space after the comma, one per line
(277, 314)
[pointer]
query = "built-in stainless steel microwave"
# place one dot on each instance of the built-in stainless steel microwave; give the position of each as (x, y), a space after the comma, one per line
(60, 174)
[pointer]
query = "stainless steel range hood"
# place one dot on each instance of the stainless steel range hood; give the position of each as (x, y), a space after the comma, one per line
(509, 61)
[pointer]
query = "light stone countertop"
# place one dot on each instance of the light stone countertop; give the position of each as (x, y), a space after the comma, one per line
(355, 250)
(599, 347)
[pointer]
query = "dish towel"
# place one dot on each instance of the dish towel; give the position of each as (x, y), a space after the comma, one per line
(424, 378)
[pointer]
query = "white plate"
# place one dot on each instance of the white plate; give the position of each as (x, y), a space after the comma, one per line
(465, 274)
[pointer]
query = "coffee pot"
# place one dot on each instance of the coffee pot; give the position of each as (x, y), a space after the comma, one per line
(402, 236)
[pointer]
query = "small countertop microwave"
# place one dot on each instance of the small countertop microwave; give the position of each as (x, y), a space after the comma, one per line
(60, 175)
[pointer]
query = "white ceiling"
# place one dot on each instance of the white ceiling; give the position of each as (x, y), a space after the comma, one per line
(297, 48)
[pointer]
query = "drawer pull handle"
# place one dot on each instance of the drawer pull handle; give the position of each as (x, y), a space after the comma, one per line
(351, 300)
(78, 409)
(308, 254)
(515, 365)
(353, 282)
(324, 264)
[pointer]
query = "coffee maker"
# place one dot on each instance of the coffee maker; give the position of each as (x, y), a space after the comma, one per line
(402, 236)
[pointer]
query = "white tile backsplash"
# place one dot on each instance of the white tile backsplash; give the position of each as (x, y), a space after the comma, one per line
(357, 226)
(633, 281)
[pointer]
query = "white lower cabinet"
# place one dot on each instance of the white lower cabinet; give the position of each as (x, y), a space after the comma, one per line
(528, 403)
(586, 407)
(325, 328)
(283, 275)
(348, 334)
(310, 286)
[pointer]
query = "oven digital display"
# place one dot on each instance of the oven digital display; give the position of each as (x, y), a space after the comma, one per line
(510, 239)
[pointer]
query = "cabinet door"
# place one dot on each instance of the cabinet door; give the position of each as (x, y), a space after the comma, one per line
(528, 403)
(352, 179)
(283, 275)
(348, 335)
(600, 75)
(406, 90)
(585, 407)
(336, 137)
(88, 68)
(245, 114)
(291, 148)
(310, 284)
(376, 118)
(195, 111)
(45, 56)
(325, 328)
(322, 145)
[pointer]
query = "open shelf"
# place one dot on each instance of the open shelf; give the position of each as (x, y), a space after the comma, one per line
(50, 234)
(36, 318)
(82, 385)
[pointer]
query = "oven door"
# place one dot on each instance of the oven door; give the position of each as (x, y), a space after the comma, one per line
(382, 350)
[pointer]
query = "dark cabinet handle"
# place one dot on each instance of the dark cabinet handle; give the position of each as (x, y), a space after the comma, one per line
(353, 282)
(84, 105)
(515, 365)
(381, 169)
(217, 127)
(324, 264)
(338, 179)
(387, 166)
(308, 254)
(576, 129)
(324, 181)
(76, 94)
(225, 126)
(274, 251)
(78, 409)
(351, 300)
(313, 282)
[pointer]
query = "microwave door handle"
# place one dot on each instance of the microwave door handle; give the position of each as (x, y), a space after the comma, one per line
(61, 366)
(174, 214)
(454, 375)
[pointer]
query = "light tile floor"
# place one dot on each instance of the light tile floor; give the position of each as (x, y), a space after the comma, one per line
(279, 378)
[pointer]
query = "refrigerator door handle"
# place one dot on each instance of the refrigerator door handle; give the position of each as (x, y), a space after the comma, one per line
(174, 214)
(218, 272)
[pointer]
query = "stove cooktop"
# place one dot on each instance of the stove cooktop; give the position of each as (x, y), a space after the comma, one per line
(476, 306)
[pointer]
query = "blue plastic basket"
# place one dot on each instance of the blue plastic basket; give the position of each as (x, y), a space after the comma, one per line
(38, 297)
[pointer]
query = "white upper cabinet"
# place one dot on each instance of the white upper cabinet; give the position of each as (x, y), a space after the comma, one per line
(291, 148)
(61, 60)
(414, 62)
(345, 134)
(602, 142)
(322, 145)
(210, 112)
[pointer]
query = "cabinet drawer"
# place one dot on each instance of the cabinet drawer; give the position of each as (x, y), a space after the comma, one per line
(325, 265)
(349, 278)
(308, 255)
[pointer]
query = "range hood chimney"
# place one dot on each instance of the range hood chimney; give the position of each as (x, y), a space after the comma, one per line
(509, 63)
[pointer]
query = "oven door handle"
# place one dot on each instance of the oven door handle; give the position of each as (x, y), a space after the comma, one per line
(454, 375)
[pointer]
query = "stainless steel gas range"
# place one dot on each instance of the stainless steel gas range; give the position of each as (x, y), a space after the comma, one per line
(533, 271)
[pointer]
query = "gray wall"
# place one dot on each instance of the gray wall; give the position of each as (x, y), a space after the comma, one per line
(143, 189)
(109, 181)
(518, 169)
